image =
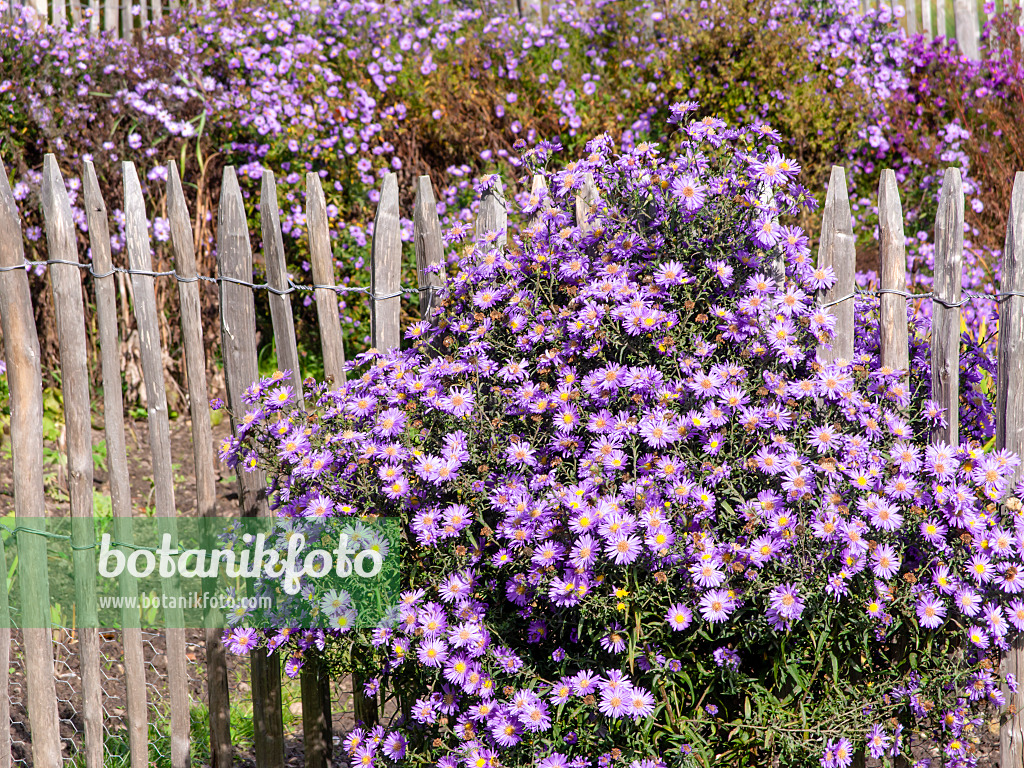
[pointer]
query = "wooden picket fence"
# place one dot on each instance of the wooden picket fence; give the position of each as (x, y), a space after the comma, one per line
(235, 268)
(837, 248)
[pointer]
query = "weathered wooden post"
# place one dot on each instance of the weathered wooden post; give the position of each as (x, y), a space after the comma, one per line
(949, 250)
(837, 249)
(429, 246)
(25, 381)
(1010, 432)
(893, 341)
(69, 311)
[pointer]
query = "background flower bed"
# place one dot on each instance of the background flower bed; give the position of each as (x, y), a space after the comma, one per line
(359, 89)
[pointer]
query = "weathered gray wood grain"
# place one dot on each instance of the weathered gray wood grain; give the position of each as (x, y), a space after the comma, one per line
(429, 246)
(322, 259)
(117, 462)
(140, 258)
(277, 278)
(965, 17)
(586, 201)
(893, 339)
(386, 269)
(25, 383)
(238, 350)
(69, 316)
(1010, 432)
(203, 452)
(837, 249)
(491, 216)
(949, 250)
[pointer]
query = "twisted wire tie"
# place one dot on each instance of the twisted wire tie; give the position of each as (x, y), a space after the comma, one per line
(292, 286)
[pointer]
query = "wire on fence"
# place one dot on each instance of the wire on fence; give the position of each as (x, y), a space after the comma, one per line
(968, 296)
(292, 286)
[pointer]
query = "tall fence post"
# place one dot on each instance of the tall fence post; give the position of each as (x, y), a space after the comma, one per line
(837, 249)
(491, 216)
(429, 246)
(893, 335)
(912, 16)
(69, 312)
(949, 250)
(277, 279)
(238, 349)
(940, 18)
(117, 464)
(25, 381)
(322, 259)
(203, 453)
(386, 269)
(140, 259)
(1010, 431)
(926, 17)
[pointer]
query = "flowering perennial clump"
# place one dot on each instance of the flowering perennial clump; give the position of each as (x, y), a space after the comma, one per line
(646, 523)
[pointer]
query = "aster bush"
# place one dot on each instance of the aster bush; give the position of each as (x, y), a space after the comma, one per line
(644, 523)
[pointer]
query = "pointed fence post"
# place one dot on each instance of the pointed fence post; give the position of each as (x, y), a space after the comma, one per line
(140, 258)
(491, 216)
(429, 246)
(893, 333)
(277, 279)
(1010, 431)
(117, 464)
(949, 251)
(203, 454)
(25, 381)
(69, 311)
(322, 259)
(386, 269)
(238, 350)
(837, 249)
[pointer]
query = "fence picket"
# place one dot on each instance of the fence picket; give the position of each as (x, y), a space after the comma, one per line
(151, 353)
(912, 16)
(25, 382)
(322, 259)
(586, 199)
(926, 17)
(69, 312)
(429, 246)
(117, 464)
(940, 18)
(277, 278)
(491, 216)
(837, 249)
(1010, 432)
(965, 18)
(949, 247)
(238, 350)
(893, 335)
(386, 269)
(203, 453)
